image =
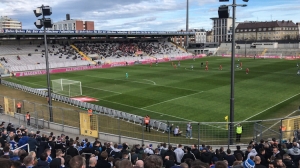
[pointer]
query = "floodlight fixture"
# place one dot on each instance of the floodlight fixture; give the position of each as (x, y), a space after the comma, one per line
(38, 12)
(244, 5)
(47, 11)
(48, 23)
(246, 0)
(39, 23)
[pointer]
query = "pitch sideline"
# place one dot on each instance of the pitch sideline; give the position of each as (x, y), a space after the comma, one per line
(271, 107)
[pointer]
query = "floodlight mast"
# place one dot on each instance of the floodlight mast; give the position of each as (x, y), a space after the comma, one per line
(45, 11)
(231, 116)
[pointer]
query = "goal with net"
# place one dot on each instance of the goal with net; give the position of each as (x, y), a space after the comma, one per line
(67, 87)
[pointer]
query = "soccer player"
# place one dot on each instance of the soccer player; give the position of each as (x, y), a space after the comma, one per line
(194, 57)
(298, 73)
(156, 62)
(201, 64)
(206, 63)
(247, 70)
(192, 67)
(175, 66)
(241, 65)
(297, 64)
(150, 64)
(206, 68)
(178, 63)
(126, 75)
(220, 68)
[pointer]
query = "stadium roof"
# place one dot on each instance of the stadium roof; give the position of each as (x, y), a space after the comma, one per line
(89, 33)
(271, 24)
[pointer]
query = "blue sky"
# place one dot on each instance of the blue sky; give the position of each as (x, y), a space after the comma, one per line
(168, 15)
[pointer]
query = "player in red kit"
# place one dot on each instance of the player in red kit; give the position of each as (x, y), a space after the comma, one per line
(247, 70)
(241, 65)
(206, 68)
(175, 66)
(220, 68)
(150, 64)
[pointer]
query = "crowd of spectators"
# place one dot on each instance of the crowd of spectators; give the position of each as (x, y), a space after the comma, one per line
(127, 49)
(56, 151)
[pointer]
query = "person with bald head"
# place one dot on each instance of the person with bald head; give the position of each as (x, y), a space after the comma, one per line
(257, 161)
(139, 164)
(92, 162)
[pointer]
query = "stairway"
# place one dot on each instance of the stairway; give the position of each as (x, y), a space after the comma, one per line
(264, 52)
(82, 54)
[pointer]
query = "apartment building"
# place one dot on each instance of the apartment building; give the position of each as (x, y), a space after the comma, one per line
(9, 23)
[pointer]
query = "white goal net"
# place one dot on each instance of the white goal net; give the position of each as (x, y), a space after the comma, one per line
(67, 87)
(268, 55)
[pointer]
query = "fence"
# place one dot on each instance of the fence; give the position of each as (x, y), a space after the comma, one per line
(120, 124)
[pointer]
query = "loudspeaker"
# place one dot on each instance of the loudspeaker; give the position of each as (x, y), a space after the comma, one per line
(223, 12)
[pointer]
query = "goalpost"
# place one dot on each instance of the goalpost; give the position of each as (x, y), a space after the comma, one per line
(67, 87)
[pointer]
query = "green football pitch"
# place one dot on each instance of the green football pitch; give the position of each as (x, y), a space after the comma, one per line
(271, 89)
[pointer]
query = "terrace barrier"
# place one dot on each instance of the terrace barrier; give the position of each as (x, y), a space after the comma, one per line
(120, 127)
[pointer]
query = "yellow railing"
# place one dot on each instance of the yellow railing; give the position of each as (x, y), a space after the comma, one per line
(264, 52)
(180, 47)
(82, 54)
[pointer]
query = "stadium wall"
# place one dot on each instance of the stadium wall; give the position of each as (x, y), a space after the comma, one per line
(115, 64)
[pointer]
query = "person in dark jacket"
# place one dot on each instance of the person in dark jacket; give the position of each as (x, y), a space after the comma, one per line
(229, 157)
(169, 153)
(32, 143)
(205, 156)
(51, 145)
(72, 151)
(23, 141)
(188, 155)
(287, 160)
(170, 161)
(55, 163)
(196, 151)
(238, 150)
(102, 161)
(43, 145)
(42, 163)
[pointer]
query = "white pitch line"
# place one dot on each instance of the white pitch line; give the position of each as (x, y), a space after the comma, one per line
(146, 110)
(150, 81)
(142, 83)
(279, 121)
(271, 107)
(101, 89)
(171, 100)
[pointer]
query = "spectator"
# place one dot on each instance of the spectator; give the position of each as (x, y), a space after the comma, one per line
(170, 161)
(188, 155)
(248, 163)
(238, 150)
(102, 161)
(43, 145)
(179, 154)
(92, 162)
(252, 153)
(28, 162)
(55, 163)
(205, 156)
(257, 162)
(125, 163)
(139, 164)
(42, 163)
(288, 162)
(195, 151)
(77, 162)
(48, 152)
(149, 150)
(276, 153)
(72, 151)
(32, 143)
(229, 157)
(221, 164)
(5, 163)
(153, 161)
(294, 152)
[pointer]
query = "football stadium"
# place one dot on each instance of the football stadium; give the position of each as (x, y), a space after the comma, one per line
(142, 89)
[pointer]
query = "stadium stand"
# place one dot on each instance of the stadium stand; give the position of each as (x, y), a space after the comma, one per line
(31, 57)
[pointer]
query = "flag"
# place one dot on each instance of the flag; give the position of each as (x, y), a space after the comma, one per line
(226, 118)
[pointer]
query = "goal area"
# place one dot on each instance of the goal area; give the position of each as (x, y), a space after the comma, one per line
(66, 87)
